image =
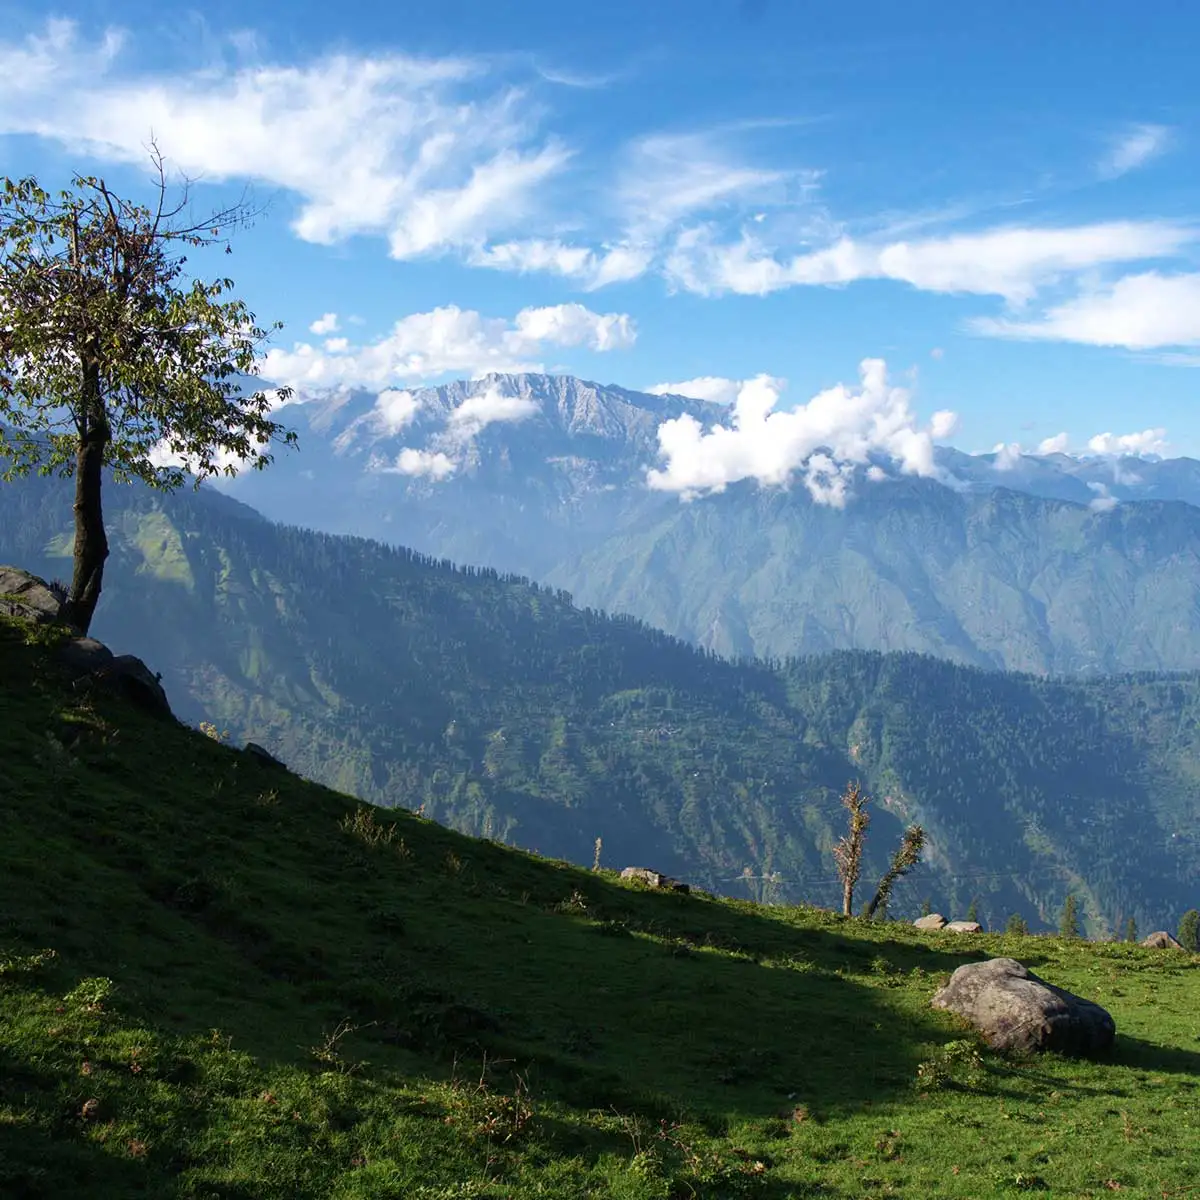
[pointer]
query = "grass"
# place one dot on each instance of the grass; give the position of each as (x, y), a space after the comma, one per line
(217, 980)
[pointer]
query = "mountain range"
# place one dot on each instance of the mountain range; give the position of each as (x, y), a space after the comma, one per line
(1050, 564)
(500, 707)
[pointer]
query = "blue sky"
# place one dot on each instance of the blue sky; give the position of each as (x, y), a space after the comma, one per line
(1002, 202)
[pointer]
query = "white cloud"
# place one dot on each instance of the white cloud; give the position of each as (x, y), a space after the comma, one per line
(574, 325)
(937, 353)
(1133, 148)
(416, 149)
(327, 323)
(446, 341)
(1012, 262)
(489, 407)
(395, 409)
(1103, 501)
(1138, 312)
(666, 178)
(425, 464)
(1148, 441)
(943, 424)
(715, 388)
(1057, 444)
(1008, 455)
(824, 439)
(590, 268)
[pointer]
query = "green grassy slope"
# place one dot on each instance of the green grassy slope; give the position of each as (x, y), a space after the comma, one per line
(217, 980)
(506, 711)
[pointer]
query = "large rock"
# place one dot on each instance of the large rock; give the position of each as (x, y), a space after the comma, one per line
(654, 879)
(1015, 1010)
(931, 921)
(84, 655)
(964, 927)
(1162, 940)
(28, 597)
(262, 755)
(131, 677)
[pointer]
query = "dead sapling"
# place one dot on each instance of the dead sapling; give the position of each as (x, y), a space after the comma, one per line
(848, 851)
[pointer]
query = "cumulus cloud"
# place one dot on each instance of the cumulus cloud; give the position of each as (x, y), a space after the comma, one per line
(1058, 444)
(1103, 501)
(823, 440)
(396, 409)
(1148, 441)
(431, 153)
(943, 424)
(325, 324)
(489, 407)
(1138, 312)
(449, 340)
(1008, 456)
(426, 464)
(1013, 262)
(715, 388)
(1133, 148)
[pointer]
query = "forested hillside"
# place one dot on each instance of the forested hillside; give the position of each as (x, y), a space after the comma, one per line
(504, 710)
(1048, 564)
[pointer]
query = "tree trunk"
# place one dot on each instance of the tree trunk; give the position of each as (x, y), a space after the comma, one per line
(848, 898)
(91, 542)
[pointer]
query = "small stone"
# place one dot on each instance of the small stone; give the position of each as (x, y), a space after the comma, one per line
(653, 879)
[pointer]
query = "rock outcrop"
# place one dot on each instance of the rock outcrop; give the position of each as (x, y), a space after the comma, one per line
(128, 675)
(28, 597)
(1015, 1010)
(1161, 940)
(654, 879)
(262, 755)
(964, 927)
(931, 921)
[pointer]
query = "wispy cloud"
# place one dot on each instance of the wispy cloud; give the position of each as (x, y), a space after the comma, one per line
(445, 341)
(1132, 148)
(430, 153)
(1013, 262)
(1138, 312)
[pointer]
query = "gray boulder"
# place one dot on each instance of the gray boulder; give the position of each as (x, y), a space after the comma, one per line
(654, 879)
(84, 655)
(262, 755)
(129, 676)
(931, 921)
(28, 597)
(1015, 1010)
(1161, 940)
(964, 927)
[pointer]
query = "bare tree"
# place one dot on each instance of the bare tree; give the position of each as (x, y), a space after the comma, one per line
(112, 357)
(849, 850)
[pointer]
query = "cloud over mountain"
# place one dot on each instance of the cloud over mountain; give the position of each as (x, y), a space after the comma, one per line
(823, 440)
(447, 340)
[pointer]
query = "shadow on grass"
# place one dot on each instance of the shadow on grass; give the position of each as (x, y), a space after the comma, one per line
(45, 1154)
(1149, 1056)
